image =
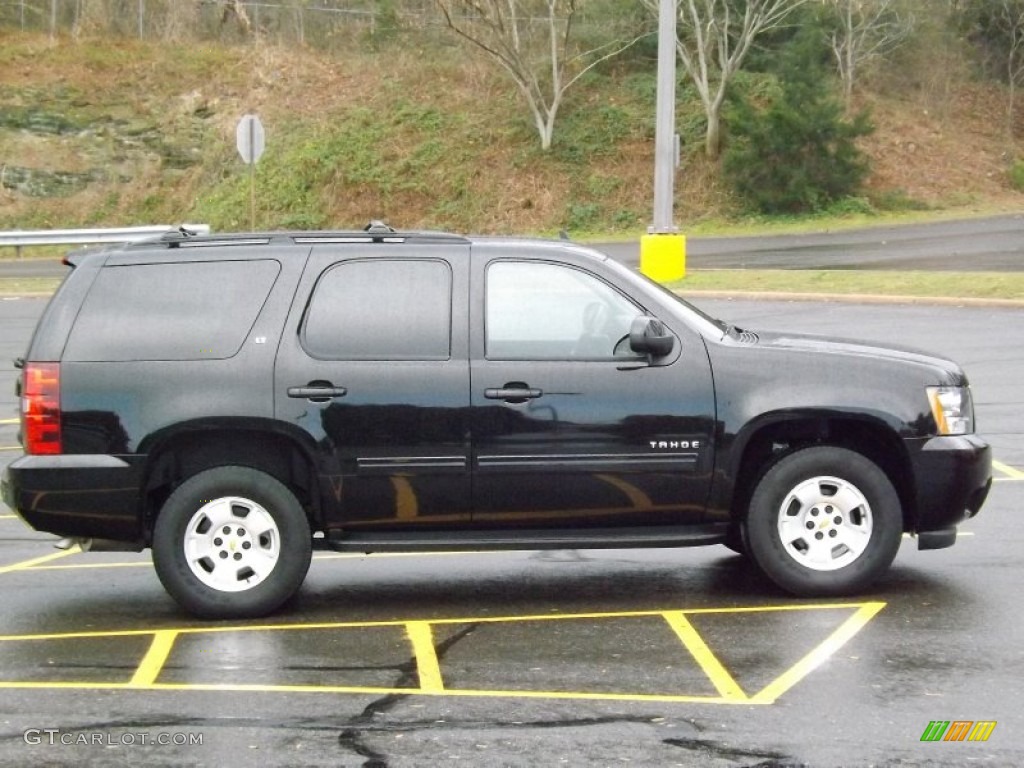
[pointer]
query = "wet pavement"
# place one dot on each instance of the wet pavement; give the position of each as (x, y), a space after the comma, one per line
(621, 657)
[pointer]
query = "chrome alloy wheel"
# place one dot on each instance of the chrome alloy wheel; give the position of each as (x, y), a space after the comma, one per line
(232, 544)
(825, 523)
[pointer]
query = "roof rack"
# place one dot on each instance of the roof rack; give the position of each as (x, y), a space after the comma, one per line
(378, 227)
(174, 237)
(375, 231)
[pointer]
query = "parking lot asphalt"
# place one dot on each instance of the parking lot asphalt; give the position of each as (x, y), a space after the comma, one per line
(635, 657)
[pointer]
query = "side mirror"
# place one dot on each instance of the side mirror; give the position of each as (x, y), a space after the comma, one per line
(649, 336)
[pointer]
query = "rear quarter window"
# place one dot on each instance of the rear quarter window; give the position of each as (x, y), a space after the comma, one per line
(178, 311)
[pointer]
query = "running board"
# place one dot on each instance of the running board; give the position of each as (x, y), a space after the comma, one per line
(526, 538)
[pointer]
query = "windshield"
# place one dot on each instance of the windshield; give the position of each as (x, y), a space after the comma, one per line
(709, 324)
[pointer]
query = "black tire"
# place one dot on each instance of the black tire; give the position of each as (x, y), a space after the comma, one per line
(824, 521)
(249, 544)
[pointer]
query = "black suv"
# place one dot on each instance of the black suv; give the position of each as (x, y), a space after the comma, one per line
(233, 401)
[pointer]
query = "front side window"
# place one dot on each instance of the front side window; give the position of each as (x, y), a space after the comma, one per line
(381, 309)
(541, 311)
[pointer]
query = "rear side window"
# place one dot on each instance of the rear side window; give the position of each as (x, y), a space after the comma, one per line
(381, 309)
(180, 311)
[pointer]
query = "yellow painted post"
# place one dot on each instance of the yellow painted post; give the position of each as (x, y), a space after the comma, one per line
(663, 257)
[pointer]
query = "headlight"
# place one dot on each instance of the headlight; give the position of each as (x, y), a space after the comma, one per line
(952, 409)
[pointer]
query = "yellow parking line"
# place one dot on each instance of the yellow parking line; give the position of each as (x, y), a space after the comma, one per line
(376, 691)
(875, 607)
(10, 447)
(1006, 469)
(155, 658)
(317, 557)
(718, 674)
(7, 517)
(37, 560)
(76, 566)
(422, 638)
(9, 421)
(819, 655)
(431, 683)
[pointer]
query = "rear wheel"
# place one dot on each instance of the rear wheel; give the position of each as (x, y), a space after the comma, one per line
(231, 542)
(824, 521)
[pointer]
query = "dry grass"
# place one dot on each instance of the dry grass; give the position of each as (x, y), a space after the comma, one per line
(954, 156)
(494, 179)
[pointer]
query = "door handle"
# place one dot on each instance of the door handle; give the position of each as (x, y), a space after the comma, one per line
(318, 393)
(513, 393)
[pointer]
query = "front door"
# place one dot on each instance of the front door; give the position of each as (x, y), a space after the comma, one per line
(570, 427)
(373, 366)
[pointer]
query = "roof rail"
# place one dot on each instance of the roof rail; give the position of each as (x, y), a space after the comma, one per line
(378, 227)
(173, 237)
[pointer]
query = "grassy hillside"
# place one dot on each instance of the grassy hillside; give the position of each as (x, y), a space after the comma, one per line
(104, 133)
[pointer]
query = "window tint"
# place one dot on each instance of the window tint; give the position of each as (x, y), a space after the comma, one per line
(539, 311)
(381, 309)
(179, 311)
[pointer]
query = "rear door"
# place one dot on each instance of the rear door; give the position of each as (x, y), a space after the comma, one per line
(373, 366)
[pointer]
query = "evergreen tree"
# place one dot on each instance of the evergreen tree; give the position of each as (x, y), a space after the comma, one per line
(797, 153)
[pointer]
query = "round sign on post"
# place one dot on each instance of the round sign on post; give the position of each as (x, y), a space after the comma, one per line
(250, 138)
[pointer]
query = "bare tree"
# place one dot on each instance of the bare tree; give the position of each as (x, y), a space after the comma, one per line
(1010, 15)
(866, 29)
(534, 42)
(90, 16)
(996, 27)
(180, 21)
(236, 9)
(713, 39)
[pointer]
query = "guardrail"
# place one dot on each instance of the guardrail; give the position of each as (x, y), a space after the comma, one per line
(18, 239)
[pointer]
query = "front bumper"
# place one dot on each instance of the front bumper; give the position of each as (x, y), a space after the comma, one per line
(952, 477)
(95, 496)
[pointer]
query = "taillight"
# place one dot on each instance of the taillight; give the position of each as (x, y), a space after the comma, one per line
(40, 408)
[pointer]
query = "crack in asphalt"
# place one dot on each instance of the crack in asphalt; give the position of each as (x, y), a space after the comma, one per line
(714, 749)
(353, 738)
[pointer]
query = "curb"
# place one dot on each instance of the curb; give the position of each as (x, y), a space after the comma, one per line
(855, 298)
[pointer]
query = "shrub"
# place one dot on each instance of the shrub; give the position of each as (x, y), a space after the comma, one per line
(797, 153)
(1016, 174)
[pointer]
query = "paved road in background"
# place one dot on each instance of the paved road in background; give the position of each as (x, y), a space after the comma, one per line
(993, 244)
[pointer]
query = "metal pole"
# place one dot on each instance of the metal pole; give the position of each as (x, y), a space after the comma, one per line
(663, 249)
(252, 177)
(665, 119)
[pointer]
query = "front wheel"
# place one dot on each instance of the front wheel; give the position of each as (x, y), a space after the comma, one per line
(824, 521)
(231, 542)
